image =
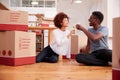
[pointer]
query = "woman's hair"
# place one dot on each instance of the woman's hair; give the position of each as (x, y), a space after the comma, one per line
(59, 18)
(98, 15)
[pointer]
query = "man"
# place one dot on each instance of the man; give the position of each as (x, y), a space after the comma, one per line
(96, 52)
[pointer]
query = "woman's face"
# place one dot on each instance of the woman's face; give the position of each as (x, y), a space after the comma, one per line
(65, 22)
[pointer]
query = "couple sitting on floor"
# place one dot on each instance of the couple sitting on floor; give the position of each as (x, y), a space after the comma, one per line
(96, 52)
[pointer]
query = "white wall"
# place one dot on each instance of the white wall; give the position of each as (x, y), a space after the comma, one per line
(78, 13)
(113, 11)
(116, 8)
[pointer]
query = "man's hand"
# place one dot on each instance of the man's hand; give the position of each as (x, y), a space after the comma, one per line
(79, 27)
(84, 50)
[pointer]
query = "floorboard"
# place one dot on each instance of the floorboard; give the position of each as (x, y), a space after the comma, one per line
(63, 70)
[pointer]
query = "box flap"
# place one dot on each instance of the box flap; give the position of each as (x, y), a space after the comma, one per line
(3, 7)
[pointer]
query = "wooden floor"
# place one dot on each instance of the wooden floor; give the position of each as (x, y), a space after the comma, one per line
(63, 70)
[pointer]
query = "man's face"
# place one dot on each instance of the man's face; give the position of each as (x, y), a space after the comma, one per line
(92, 20)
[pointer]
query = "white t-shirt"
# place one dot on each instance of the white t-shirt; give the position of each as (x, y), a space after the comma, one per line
(60, 43)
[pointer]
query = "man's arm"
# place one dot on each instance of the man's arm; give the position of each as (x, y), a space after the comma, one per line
(90, 35)
(88, 46)
(86, 49)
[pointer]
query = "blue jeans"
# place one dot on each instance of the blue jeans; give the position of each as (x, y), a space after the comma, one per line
(96, 58)
(47, 55)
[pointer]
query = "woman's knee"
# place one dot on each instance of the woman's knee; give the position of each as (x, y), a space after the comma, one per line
(54, 60)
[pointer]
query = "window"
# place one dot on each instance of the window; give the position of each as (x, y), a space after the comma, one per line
(49, 3)
(15, 3)
(33, 3)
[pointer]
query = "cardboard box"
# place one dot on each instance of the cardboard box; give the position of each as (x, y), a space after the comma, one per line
(17, 48)
(45, 22)
(72, 56)
(13, 20)
(74, 46)
(116, 50)
(116, 43)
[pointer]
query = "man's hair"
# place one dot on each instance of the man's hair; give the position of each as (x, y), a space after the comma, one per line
(98, 15)
(59, 18)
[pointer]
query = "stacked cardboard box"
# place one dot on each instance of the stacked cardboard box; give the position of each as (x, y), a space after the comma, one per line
(13, 20)
(17, 47)
(116, 50)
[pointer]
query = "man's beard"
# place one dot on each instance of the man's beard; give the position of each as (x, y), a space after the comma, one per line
(90, 24)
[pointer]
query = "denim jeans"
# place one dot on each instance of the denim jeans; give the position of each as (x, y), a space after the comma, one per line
(98, 58)
(47, 55)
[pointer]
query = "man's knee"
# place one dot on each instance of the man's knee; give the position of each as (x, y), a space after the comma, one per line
(79, 58)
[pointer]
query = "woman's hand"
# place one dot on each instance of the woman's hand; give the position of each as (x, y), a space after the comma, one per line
(71, 33)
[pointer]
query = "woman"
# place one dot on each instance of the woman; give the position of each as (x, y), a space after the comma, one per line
(61, 42)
